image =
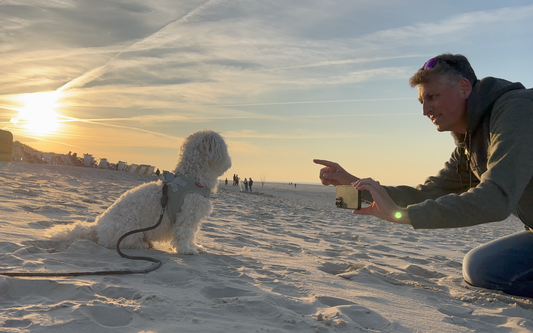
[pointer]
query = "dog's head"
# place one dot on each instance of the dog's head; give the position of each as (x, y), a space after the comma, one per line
(206, 150)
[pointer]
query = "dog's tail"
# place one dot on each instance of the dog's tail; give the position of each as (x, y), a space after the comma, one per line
(77, 231)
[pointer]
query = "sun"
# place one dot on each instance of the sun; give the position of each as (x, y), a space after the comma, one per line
(38, 113)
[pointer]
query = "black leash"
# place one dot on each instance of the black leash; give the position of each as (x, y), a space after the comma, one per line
(158, 263)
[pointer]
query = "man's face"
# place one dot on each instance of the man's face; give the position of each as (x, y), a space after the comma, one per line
(445, 104)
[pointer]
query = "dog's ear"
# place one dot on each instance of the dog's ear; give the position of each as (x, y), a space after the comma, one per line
(216, 150)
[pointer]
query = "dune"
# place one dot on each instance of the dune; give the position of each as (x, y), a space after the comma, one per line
(280, 259)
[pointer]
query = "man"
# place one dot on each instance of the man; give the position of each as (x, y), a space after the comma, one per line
(488, 177)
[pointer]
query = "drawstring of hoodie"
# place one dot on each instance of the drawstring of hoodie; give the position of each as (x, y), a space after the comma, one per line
(466, 146)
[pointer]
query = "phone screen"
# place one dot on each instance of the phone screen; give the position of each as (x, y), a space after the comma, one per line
(348, 197)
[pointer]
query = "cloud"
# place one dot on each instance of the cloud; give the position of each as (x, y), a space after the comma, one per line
(163, 36)
(239, 52)
(251, 134)
(151, 63)
(243, 147)
(347, 61)
(40, 3)
(466, 23)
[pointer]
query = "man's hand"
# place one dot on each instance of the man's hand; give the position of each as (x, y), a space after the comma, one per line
(334, 174)
(383, 207)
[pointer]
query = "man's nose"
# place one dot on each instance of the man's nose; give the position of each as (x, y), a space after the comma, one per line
(426, 109)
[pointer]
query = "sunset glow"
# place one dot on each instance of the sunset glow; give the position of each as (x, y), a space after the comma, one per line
(38, 113)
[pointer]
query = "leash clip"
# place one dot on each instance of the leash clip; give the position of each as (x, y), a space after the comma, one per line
(168, 177)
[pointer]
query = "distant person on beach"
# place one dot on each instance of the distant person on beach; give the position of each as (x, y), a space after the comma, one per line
(250, 183)
(226, 181)
(157, 172)
(245, 184)
(488, 177)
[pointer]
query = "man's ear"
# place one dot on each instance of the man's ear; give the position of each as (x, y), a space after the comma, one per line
(466, 87)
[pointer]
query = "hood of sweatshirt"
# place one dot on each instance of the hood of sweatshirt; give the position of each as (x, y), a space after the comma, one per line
(485, 93)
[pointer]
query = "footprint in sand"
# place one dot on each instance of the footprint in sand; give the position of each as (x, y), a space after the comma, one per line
(91, 201)
(212, 293)
(107, 315)
(14, 323)
(485, 321)
(6, 247)
(339, 268)
(365, 317)
(303, 237)
(48, 224)
(116, 292)
(360, 315)
(333, 301)
(44, 210)
(237, 241)
(462, 316)
(28, 192)
(422, 272)
(28, 296)
(29, 208)
(413, 276)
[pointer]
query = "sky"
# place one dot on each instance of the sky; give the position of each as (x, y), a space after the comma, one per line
(284, 82)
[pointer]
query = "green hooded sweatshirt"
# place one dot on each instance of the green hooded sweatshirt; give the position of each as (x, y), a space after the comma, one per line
(489, 175)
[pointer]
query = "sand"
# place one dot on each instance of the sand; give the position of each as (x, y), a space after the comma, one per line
(280, 259)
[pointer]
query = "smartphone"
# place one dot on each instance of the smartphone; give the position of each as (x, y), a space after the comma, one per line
(348, 197)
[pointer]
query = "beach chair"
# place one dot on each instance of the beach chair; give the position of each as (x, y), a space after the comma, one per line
(121, 166)
(103, 163)
(59, 160)
(76, 161)
(66, 160)
(87, 160)
(36, 159)
(6, 146)
(47, 158)
(133, 168)
(142, 169)
(56, 159)
(18, 153)
(28, 157)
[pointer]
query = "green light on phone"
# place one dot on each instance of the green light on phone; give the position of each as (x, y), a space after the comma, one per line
(398, 215)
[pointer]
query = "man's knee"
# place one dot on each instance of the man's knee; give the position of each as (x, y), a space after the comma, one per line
(468, 271)
(476, 268)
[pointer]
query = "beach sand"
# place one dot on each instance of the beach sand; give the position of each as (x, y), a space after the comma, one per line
(280, 259)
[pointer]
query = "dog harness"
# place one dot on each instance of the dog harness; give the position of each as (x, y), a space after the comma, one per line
(179, 186)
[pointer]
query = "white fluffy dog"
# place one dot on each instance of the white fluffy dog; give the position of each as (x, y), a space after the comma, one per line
(203, 158)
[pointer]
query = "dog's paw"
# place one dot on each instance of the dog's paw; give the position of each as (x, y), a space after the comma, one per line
(200, 249)
(188, 250)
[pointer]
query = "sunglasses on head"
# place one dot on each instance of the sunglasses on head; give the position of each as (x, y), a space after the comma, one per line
(430, 63)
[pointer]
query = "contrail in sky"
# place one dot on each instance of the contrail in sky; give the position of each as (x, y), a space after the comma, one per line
(317, 102)
(162, 36)
(92, 121)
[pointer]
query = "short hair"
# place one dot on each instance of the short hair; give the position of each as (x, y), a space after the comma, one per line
(449, 67)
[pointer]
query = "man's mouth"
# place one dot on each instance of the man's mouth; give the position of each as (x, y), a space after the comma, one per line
(434, 118)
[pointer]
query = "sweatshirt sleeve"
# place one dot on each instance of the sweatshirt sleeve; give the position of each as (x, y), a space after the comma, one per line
(453, 178)
(509, 171)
